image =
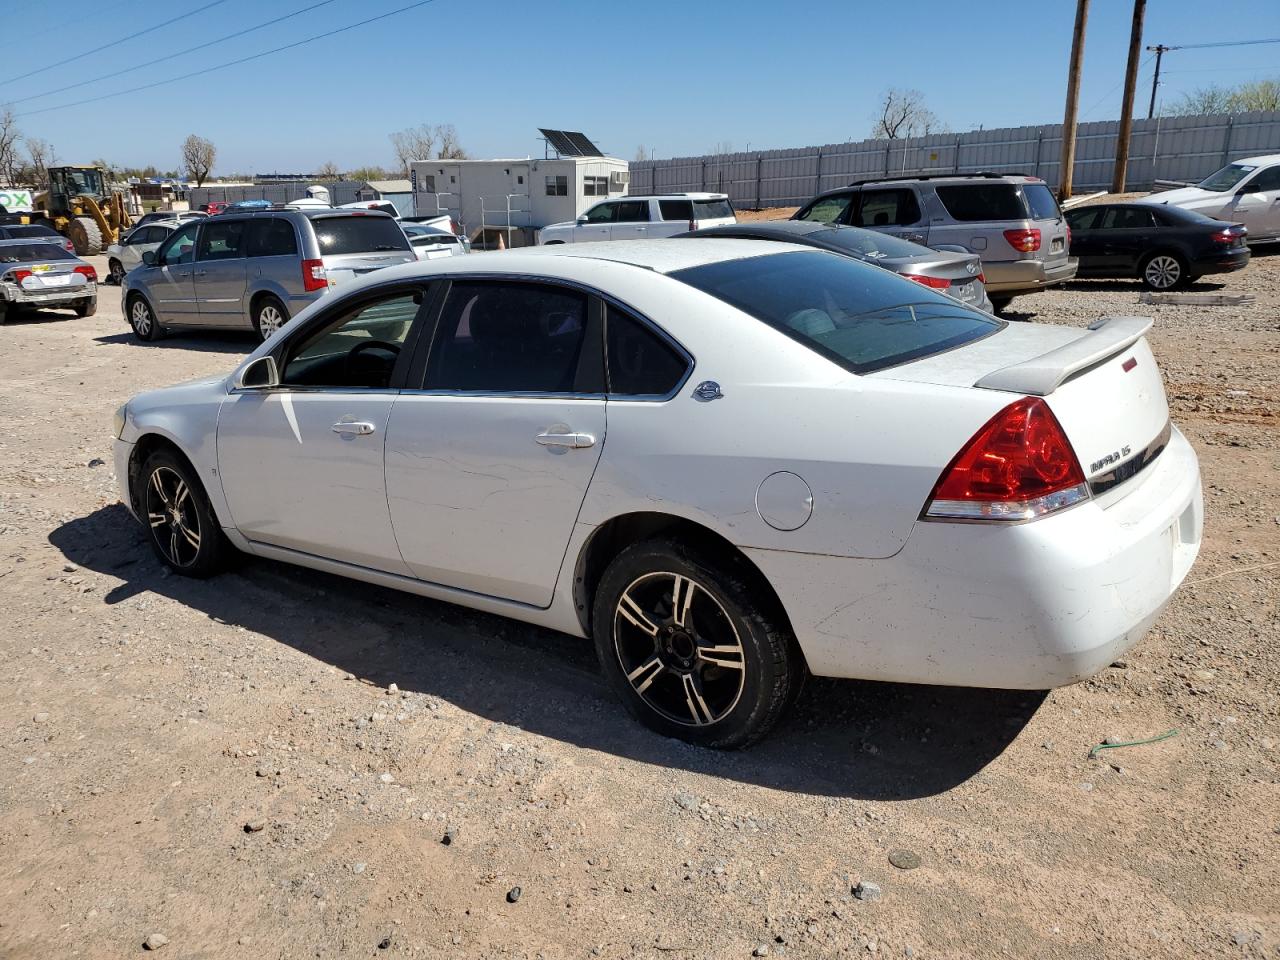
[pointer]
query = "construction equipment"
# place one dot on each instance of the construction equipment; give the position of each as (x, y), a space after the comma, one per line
(79, 206)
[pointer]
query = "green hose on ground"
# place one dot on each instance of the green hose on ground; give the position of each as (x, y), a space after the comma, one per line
(1130, 743)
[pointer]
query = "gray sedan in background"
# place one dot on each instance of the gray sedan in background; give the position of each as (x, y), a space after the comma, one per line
(956, 274)
(37, 275)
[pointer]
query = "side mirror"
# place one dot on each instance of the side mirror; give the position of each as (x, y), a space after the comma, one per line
(149, 258)
(582, 219)
(259, 374)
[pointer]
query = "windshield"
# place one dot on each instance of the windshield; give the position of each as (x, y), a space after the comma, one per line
(1227, 177)
(858, 316)
(85, 181)
(27, 252)
(358, 233)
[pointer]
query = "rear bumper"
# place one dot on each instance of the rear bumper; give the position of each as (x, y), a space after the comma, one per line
(1025, 276)
(1025, 606)
(15, 296)
(1222, 263)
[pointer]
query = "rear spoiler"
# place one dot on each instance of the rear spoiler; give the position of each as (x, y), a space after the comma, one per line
(1040, 376)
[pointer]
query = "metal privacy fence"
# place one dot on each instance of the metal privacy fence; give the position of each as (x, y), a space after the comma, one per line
(1165, 148)
(340, 191)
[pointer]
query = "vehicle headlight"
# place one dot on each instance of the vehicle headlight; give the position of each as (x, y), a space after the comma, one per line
(118, 421)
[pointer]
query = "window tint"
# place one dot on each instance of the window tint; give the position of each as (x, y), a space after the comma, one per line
(223, 240)
(828, 209)
(508, 338)
(1085, 219)
(641, 363)
(712, 209)
(39, 250)
(1040, 200)
(1126, 218)
(180, 247)
(675, 209)
(557, 186)
(23, 232)
(972, 202)
(359, 233)
(859, 316)
(885, 208)
(359, 349)
(272, 237)
(604, 213)
(632, 211)
(1267, 180)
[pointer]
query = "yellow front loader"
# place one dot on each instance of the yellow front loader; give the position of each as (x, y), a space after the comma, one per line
(78, 205)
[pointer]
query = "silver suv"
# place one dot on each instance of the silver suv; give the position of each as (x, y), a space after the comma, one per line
(1011, 221)
(256, 270)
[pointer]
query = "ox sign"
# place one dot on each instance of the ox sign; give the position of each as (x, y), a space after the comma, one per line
(15, 201)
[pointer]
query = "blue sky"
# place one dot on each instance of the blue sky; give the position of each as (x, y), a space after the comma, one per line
(676, 77)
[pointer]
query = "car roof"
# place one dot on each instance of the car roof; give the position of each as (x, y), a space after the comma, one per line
(781, 228)
(660, 256)
(673, 196)
(1259, 161)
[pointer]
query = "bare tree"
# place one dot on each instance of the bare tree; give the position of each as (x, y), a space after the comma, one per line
(449, 147)
(642, 153)
(328, 171)
(40, 157)
(415, 143)
(198, 155)
(723, 146)
(1262, 95)
(903, 114)
(10, 137)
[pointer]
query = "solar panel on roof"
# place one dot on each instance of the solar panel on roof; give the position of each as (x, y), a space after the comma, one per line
(570, 143)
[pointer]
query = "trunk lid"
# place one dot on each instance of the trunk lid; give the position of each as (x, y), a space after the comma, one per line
(1102, 383)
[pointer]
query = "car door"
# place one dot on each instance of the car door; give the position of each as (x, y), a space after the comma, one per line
(631, 222)
(1126, 237)
(893, 210)
(148, 238)
(302, 462)
(1085, 237)
(1257, 204)
(170, 284)
(488, 462)
(220, 273)
(597, 223)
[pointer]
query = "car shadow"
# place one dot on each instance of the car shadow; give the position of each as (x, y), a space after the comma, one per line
(19, 318)
(208, 341)
(856, 739)
(1137, 286)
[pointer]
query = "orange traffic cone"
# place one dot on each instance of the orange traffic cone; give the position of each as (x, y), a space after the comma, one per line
(502, 243)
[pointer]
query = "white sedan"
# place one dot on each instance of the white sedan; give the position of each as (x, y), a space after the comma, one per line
(727, 461)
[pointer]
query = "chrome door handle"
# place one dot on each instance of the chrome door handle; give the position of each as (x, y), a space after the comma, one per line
(353, 428)
(575, 440)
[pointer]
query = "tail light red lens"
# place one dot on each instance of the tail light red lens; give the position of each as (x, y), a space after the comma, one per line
(982, 279)
(19, 275)
(1019, 466)
(693, 225)
(937, 283)
(89, 273)
(1024, 241)
(1229, 235)
(314, 276)
(1068, 226)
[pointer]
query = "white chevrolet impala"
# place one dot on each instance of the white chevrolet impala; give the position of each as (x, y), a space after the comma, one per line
(729, 462)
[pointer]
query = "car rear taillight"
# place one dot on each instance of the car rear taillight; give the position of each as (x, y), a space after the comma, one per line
(1228, 235)
(89, 273)
(19, 275)
(982, 279)
(1068, 236)
(1019, 466)
(314, 276)
(937, 283)
(1024, 241)
(69, 246)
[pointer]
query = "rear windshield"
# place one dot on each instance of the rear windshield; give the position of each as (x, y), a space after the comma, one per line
(982, 201)
(26, 252)
(712, 209)
(1040, 199)
(858, 316)
(33, 231)
(358, 234)
(871, 243)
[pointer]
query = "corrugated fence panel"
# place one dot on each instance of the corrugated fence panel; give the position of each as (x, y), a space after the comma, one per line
(1165, 148)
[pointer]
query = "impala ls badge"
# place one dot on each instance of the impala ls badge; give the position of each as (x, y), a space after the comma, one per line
(1109, 459)
(707, 390)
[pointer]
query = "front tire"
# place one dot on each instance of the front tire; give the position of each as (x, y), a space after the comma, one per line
(690, 650)
(1164, 272)
(181, 525)
(269, 315)
(115, 271)
(85, 236)
(143, 320)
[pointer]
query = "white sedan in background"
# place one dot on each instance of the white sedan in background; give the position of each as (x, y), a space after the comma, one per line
(727, 461)
(1245, 191)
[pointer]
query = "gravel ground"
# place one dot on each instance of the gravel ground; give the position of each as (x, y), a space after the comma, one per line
(277, 763)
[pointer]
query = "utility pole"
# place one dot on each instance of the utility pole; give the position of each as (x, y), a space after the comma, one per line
(1159, 49)
(1073, 101)
(1130, 88)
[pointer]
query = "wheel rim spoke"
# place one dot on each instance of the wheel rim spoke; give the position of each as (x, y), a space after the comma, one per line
(682, 591)
(158, 519)
(155, 482)
(644, 675)
(698, 708)
(630, 611)
(193, 537)
(727, 655)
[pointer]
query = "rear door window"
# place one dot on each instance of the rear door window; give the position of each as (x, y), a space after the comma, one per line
(887, 208)
(359, 233)
(859, 316)
(974, 202)
(676, 209)
(272, 237)
(632, 211)
(712, 209)
(828, 209)
(1127, 218)
(1041, 201)
(640, 362)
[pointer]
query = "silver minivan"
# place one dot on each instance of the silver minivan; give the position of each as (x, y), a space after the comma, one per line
(1011, 221)
(254, 271)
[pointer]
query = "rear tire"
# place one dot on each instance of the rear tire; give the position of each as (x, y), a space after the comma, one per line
(1163, 272)
(115, 271)
(143, 320)
(269, 315)
(181, 525)
(85, 236)
(687, 646)
(999, 304)
(87, 308)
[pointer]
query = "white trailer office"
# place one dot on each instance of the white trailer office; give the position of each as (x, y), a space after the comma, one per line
(513, 198)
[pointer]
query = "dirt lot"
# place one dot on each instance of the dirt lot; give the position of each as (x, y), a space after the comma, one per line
(148, 721)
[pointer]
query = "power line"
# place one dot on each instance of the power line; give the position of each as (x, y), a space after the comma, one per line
(231, 63)
(174, 56)
(1222, 43)
(132, 36)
